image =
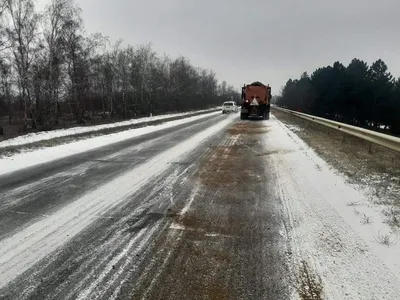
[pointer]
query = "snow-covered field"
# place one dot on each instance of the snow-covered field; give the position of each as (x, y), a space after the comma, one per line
(48, 135)
(340, 245)
(29, 159)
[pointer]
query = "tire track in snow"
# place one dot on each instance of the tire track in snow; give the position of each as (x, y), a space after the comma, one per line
(72, 269)
(21, 251)
(173, 238)
(39, 195)
(132, 248)
(97, 264)
(38, 199)
(225, 246)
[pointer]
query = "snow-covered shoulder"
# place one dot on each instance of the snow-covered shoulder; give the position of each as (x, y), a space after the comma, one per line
(28, 159)
(338, 241)
(48, 135)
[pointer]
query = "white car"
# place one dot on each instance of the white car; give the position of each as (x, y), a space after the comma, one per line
(229, 106)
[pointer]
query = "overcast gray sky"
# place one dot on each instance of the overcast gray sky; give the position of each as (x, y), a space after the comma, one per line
(264, 40)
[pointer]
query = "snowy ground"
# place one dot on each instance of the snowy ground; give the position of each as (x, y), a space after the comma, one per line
(22, 250)
(216, 209)
(32, 158)
(376, 174)
(336, 248)
(48, 135)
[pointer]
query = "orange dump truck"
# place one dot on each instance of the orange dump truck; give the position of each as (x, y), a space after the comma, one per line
(256, 101)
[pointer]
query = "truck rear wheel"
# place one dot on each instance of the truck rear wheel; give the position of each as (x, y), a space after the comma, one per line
(265, 116)
(266, 113)
(243, 116)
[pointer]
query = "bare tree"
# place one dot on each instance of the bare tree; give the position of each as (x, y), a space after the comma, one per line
(5, 80)
(3, 40)
(58, 17)
(59, 73)
(145, 57)
(80, 51)
(22, 35)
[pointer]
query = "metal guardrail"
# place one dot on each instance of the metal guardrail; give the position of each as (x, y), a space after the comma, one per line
(378, 138)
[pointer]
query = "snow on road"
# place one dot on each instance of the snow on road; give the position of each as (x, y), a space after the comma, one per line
(47, 135)
(335, 237)
(29, 159)
(336, 250)
(22, 250)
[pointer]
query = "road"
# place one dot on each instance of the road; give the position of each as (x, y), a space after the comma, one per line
(214, 209)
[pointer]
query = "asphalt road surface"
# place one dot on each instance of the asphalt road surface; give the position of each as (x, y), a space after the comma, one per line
(198, 211)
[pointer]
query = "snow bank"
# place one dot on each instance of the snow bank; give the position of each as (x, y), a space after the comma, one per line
(47, 135)
(29, 159)
(333, 230)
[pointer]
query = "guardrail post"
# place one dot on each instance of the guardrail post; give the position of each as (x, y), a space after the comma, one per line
(370, 148)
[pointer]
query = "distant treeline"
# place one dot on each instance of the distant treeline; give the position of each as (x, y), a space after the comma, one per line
(362, 95)
(52, 73)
